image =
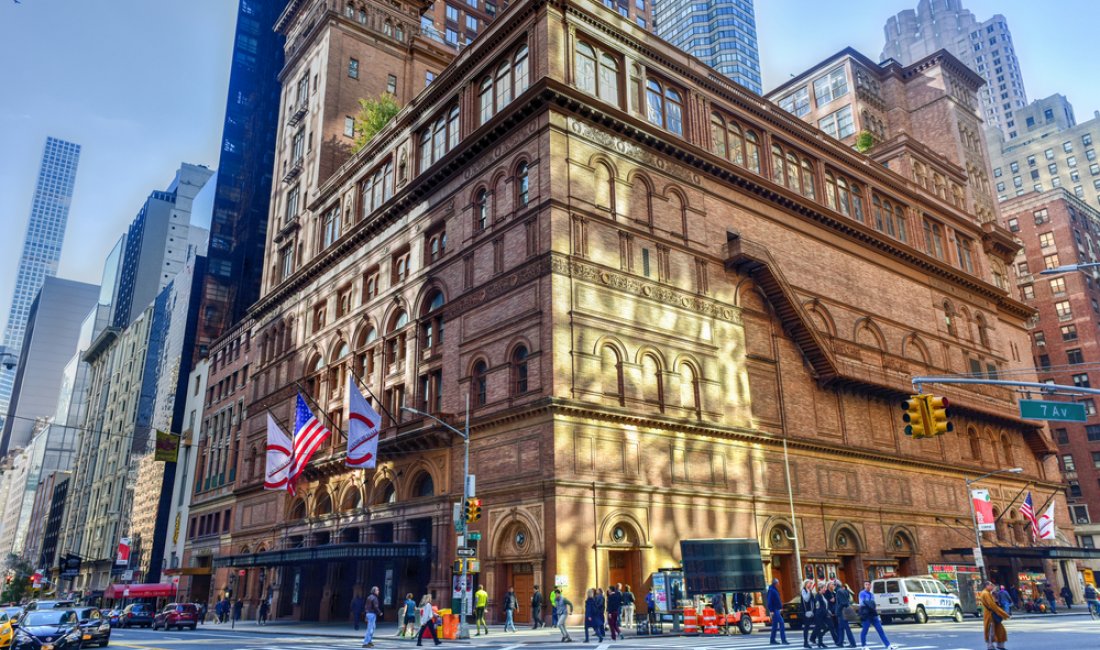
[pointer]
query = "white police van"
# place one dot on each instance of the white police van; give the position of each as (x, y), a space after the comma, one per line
(916, 597)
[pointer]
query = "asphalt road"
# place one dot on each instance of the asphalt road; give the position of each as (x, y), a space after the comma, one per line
(1047, 633)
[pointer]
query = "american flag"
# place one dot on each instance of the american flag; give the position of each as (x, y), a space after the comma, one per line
(1028, 512)
(309, 433)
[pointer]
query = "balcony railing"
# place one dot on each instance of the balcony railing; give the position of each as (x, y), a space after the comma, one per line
(297, 115)
(292, 173)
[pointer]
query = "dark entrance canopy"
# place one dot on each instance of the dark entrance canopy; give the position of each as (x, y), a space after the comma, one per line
(1031, 552)
(325, 553)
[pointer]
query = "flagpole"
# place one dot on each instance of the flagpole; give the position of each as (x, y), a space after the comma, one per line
(359, 380)
(303, 392)
(279, 423)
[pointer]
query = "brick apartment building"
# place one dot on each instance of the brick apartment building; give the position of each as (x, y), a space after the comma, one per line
(1058, 229)
(638, 311)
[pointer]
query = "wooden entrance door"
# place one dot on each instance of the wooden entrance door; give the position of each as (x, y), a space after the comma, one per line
(783, 568)
(624, 567)
(522, 578)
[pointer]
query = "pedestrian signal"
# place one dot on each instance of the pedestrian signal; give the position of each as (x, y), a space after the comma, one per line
(473, 510)
(914, 419)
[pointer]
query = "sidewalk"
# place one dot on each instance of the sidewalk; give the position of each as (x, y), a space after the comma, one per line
(384, 630)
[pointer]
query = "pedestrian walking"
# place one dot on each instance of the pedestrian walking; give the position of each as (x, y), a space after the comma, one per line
(807, 611)
(601, 612)
(220, 610)
(868, 616)
(202, 614)
(830, 601)
(1004, 599)
(1067, 596)
(357, 605)
(536, 609)
(628, 606)
(265, 609)
(651, 608)
(591, 612)
(820, 616)
(843, 603)
(554, 606)
(481, 599)
(993, 618)
(614, 611)
(774, 605)
(1048, 592)
(511, 606)
(1091, 601)
(427, 621)
(563, 609)
(372, 609)
(238, 607)
(408, 619)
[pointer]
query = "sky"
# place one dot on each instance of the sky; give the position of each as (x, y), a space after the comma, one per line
(141, 85)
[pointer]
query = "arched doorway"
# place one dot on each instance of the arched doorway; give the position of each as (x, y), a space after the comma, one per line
(902, 548)
(780, 541)
(624, 554)
(849, 551)
(519, 555)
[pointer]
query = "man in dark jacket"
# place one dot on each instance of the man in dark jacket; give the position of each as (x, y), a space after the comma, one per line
(601, 612)
(820, 617)
(830, 600)
(357, 605)
(373, 610)
(1067, 596)
(774, 605)
(536, 609)
(614, 608)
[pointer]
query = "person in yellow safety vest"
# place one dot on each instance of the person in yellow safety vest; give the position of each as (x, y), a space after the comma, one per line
(481, 599)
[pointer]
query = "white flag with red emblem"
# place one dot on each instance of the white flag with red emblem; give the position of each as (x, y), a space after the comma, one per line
(279, 456)
(1046, 524)
(363, 424)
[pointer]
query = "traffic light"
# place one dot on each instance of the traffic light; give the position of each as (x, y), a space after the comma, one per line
(914, 416)
(939, 416)
(473, 510)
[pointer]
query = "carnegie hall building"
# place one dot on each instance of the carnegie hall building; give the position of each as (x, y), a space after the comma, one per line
(644, 279)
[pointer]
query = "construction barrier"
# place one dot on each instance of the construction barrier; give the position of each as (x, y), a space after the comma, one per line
(691, 621)
(710, 621)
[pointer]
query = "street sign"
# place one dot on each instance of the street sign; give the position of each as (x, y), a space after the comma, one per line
(465, 552)
(1037, 409)
(979, 561)
(474, 536)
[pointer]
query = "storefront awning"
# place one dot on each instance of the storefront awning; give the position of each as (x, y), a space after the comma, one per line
(188, 571)
(1031, 552)
(326, 553)
(140, 591)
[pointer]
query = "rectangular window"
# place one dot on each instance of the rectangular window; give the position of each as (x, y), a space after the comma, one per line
(1044, 361)
(1050, 261)
(796, 103)
(1027, 291)
(1069, 332)
(451, 36)
(1074, 490)
(1014, 224)
(1075, 356)
(471, 23)
(933, 239)
(831, 86)
(1090, 406)
(1067, 463)
(1062, 436)
(641, 21)
(1063, 309)
(1071, 161)
(391, 84)
(291, 204)
(964, 247)
(429, 77)
(1049, 154)
(1086, 139)
(349, 126)
(1067, 146)
(1058, 286)
(645, 262)
(1092, 432)
(1081, 380)
(839, 124)
(1078, 513)
(1046, 239)
(353, 68)
(452, 14)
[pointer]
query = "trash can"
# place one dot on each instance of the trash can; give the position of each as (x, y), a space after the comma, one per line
(450, 626)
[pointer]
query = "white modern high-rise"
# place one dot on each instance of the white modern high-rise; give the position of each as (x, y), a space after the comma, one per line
(41, 249)
(984, 46)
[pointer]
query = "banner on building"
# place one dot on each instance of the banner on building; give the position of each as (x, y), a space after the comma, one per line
(983, 510)
(1046, 523)
(123, 557)
(168, 447)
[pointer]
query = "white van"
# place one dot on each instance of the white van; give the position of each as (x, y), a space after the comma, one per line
(919, 597)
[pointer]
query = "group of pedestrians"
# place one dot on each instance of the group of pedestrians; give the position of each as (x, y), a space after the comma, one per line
(605, 612)
(369, 610)
(827, 607)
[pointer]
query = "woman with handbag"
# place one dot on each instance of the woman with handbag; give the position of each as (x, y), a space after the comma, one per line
(807, 611)
(844, 610)
(427, 620)
(993, 617)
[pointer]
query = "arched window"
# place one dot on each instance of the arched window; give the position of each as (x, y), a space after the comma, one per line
(503, 85)
(584, 68)
(830, 190)
(949, 318)
(425, 486)
(452, 128)
(387, 28)
(485, 99)
(519, 370)
(481, 209)
(856, 194)
(1006, 448)
(362, 17)
(389, 494)
(653, 382)
(983, 330)
(792, 170)
(889, 217)
(479, 383)
(349, 10)
(431, 327)
(611, 368)
(752, 151)
(425, 149)
(523, 185)
(664, 106)
(808, 179)
(718, 135)
(520, 70)
(689, 389)
(608, 83)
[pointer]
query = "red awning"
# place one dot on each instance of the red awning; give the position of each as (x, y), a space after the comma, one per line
(140, 591)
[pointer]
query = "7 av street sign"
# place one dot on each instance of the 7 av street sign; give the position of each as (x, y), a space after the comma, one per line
(1036, 409)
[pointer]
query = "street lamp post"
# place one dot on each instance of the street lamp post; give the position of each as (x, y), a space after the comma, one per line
(974, 516)
(1069, 268)
(463, 629)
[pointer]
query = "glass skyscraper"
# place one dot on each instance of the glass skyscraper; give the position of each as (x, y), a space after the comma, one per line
(720, 33)
(41, 247)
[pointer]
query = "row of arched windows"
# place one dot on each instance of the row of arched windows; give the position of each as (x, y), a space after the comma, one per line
(518, 376)
(485, 211)
(499, 86)
(653, 390)
(736, 144)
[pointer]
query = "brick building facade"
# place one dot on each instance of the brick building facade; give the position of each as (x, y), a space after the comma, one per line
(640, 313)
(1058, 229)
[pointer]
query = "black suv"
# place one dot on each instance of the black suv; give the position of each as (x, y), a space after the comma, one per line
(137, 614)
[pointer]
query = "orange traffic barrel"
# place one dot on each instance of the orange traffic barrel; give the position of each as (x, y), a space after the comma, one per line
(691, 621)
(710, 621)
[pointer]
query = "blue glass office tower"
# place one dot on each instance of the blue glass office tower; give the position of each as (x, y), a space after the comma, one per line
(41, 248)
(720, 33)
(238, 226)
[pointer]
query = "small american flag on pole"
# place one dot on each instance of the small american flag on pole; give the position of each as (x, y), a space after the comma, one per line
(1027, 509)
(309, 434)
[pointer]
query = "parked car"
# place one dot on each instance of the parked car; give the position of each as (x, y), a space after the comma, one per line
(12, 612)
(916, 597)
(48, 629)
(113, 616)
(137, 615)
(97, 629)
(7, 632)
(792, 613)
(179, 615)
(49, 604)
